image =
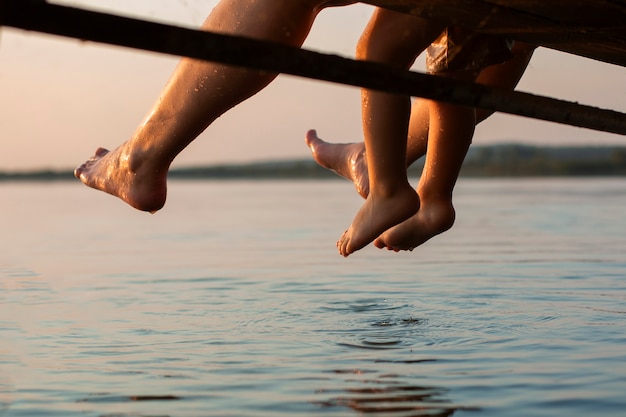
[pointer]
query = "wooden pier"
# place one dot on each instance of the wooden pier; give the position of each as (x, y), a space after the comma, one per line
(595, 29)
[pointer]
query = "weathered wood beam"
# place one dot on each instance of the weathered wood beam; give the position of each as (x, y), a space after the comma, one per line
(37, 15)
(594, 29)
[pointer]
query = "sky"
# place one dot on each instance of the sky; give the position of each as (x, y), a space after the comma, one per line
(60, 99)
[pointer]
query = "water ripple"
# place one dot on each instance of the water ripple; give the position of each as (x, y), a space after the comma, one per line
(215, 308)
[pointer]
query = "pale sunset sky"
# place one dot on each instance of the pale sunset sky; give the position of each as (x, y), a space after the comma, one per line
(60, 99)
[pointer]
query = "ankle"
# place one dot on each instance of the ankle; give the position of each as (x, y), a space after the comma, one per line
(441, 214)
(391, 189)
(139, 161)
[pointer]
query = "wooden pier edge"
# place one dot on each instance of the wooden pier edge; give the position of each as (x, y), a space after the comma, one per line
(37, 15)
(593, 29)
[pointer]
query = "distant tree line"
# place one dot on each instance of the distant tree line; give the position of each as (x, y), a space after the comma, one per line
(518, 160)
(482, 161)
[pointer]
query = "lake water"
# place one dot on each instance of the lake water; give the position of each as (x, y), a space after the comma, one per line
(232, 301)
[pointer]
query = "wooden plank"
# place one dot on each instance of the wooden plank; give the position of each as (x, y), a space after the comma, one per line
(116, 30)
(582, 13)
(594, 29)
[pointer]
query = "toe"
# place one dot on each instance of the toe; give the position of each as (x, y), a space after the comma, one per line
(379, 243)
(100, 152)
(342, 244)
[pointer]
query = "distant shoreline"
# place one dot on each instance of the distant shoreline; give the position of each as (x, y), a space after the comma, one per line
(482, 161)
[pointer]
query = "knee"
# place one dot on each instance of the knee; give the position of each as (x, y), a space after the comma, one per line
(395, 39)
(379, 48)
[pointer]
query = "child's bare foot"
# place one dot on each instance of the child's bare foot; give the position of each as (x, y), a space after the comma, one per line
(378, 214)
(127, 176)
(346, 159)
(431, 220)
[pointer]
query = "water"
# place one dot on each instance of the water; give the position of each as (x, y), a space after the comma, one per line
(232, 301)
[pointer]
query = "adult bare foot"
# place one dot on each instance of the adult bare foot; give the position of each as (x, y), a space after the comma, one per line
(431, 220)
(346, 159)
(378, 214)
(126, 176)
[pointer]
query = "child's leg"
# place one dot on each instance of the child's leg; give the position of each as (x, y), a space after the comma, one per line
(391, 199)
(197, 93)
(450, 135)
(395, 39)
(349, 160)
(451, 131)
(504, 75)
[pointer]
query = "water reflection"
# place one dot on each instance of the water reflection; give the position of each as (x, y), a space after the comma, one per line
(384, 387)
(6, 393)
(389, 395)
(105, 398)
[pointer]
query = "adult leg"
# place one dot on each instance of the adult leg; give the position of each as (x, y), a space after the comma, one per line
(197, 93)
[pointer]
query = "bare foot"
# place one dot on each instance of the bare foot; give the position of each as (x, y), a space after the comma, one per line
(346, 159)
(126, 175)
(431, 220)
(377, 215)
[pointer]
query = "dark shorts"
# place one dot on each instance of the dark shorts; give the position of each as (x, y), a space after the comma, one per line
(459, 50)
